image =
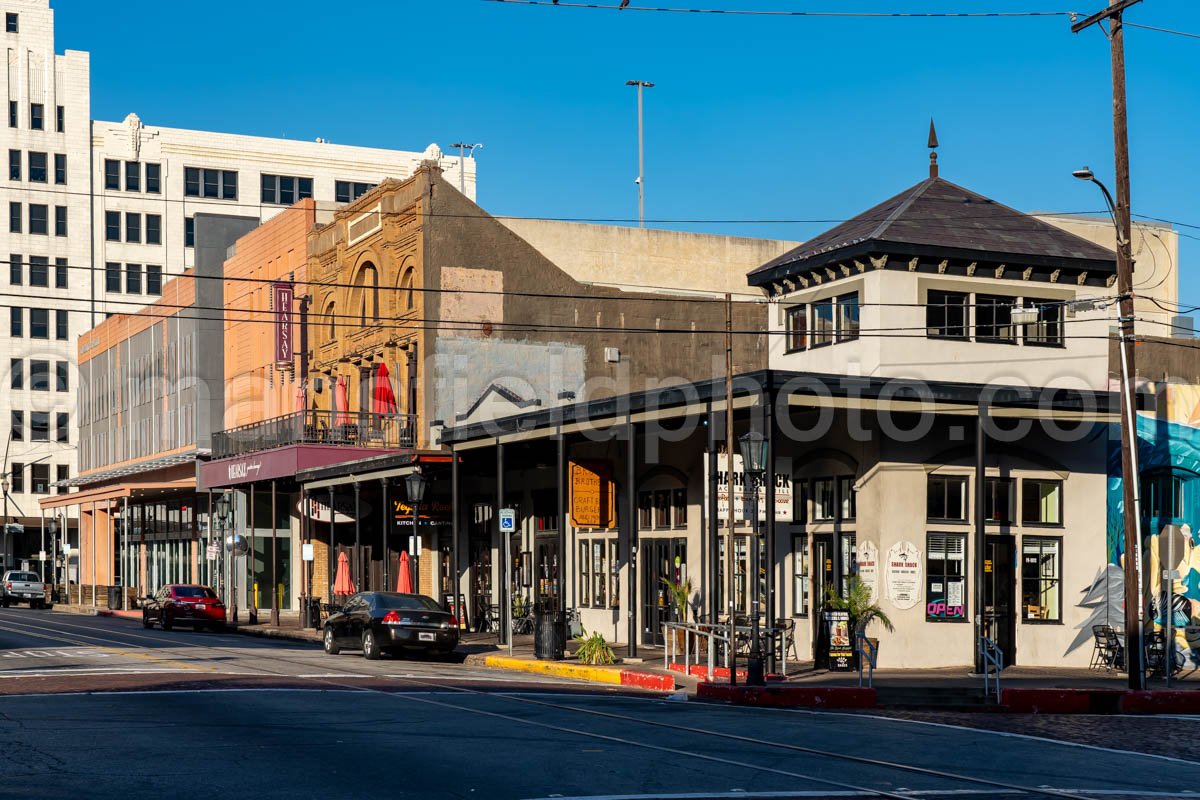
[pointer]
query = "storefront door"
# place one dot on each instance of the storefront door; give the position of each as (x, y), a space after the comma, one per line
(662, 560)
(823, 576)
(999, 587)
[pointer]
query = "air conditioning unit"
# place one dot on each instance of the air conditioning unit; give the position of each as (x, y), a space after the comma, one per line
(612, 355)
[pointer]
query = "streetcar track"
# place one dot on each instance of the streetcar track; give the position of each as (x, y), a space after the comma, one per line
(762, 743)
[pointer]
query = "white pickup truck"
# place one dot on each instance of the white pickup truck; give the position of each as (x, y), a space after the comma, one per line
(19, 586)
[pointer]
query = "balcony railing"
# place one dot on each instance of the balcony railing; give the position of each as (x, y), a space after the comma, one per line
(345, 429)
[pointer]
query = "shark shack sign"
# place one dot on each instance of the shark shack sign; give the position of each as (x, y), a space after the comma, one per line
(745, 488)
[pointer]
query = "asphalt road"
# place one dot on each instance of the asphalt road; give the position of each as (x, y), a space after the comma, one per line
(100, 708)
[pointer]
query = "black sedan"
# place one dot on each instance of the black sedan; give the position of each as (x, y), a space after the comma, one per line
(389, 622)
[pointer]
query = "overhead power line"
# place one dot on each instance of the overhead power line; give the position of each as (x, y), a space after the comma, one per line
(751, 13)
(636, 294)
(1128, 24)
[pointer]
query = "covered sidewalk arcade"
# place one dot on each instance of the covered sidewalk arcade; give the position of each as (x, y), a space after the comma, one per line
(853, 462)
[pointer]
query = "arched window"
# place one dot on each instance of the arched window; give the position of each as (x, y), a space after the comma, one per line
(406, 287)
(331, 318)
(367, 289)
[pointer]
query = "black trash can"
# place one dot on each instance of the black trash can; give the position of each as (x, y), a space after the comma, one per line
(314, 612)
(549, 635)
(114, 597)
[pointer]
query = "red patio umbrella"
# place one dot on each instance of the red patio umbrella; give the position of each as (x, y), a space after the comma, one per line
(404, 579)
(341, 406)
(342, 583)
(384, 400)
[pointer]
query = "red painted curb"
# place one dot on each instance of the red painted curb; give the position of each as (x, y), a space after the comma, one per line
(788, 696)
(647, 680)
(1062, 701)
(701, 671)
(1161, 702)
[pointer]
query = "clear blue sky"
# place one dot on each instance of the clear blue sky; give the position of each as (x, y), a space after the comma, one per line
(751, 118)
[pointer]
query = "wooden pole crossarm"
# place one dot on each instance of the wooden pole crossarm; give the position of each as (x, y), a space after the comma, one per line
(1108, 13)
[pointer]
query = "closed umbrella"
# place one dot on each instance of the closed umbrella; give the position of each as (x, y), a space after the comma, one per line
(341, 406)
(301, 400)
(404, 580)
(342, 583)
(384, 399)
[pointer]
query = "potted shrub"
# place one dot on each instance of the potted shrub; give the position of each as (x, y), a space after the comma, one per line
(681, 596)
(861, 606)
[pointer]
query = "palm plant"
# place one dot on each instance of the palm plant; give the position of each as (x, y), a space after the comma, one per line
(681, 595)
(859, 603)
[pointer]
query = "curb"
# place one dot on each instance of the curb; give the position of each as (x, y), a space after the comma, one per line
(1101, 701)
(788, 696)
(614, 676)
(700, 671)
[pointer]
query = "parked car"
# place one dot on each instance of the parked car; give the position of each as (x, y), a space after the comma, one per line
(184, 603)
(390, 622)
(19, 586)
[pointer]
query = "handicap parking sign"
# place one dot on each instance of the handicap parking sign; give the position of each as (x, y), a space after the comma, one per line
(508, 520)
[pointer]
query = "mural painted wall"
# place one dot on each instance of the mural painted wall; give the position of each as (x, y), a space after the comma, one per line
(1169, 463)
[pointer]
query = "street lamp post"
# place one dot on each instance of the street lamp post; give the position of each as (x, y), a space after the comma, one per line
(416, 482)
(463, 150)
(232, 543)
(753, 446)
(1134, 604)
(641, 178)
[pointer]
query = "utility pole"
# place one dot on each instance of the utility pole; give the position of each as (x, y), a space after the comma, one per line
(1134, 605)
(463, 149)
(730, 581)
(641, 178)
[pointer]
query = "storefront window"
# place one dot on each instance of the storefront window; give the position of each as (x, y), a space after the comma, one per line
(947, 498)
(998, 500)
(1041, 502)
(662, 508)
(847, 498)
(824, 502)
(679, 507)
(598, 574)
(614, 573)
(1041, 589)
(801, 565)
(849, 561)
(585, 575)
(645, 510)
(945, 581)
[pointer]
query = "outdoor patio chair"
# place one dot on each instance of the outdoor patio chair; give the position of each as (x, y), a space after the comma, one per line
(786, 639)
(1108, 652)
(522, 619)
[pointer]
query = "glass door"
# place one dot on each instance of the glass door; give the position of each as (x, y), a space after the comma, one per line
(662, 560)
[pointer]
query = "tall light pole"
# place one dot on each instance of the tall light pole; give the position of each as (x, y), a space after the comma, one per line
(754, 462)
(416, 483)
(641, 178)
(463, 150)
(1130, 488)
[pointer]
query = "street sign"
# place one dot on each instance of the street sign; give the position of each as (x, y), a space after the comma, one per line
(508, 520)
(211, 552)
(414, 545)
(306, 551)
(41, 555)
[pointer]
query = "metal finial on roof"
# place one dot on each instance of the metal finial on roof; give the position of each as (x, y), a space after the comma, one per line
(933, 144)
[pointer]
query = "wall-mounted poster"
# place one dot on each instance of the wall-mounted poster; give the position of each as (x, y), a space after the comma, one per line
(868, 567)
(903, 574)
